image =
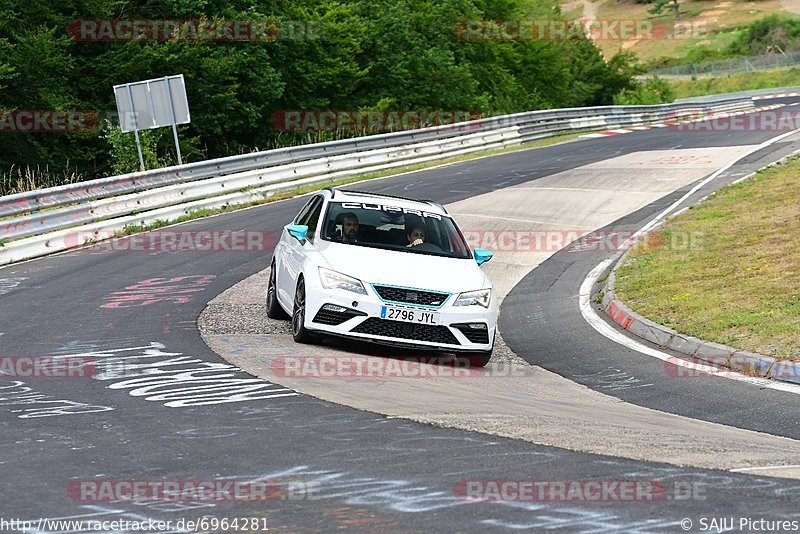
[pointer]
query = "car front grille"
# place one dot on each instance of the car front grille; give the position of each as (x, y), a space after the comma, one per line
(335, 315)
(401, 330)
(411, 296)
(475, 335)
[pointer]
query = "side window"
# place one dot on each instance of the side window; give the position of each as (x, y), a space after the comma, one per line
(305, 215)
(304, 212)
(313, 218)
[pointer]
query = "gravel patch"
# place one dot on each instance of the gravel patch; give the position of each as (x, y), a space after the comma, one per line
(241, 309)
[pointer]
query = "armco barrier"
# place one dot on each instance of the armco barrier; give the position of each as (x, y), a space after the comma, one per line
(36, 223)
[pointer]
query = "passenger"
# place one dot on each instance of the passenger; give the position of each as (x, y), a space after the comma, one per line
(415, 234)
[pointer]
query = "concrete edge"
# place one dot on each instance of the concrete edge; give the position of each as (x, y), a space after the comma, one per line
(743, 361)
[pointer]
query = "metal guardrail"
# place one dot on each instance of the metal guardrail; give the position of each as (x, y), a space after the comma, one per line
(755, 94)
(128, 183)
(59, 218)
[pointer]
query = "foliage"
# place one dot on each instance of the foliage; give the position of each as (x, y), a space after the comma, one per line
(362, 55)
(124, 155)
(744, 81)
(772, 34)
(766, 35)
(653, 90)
(660, 5)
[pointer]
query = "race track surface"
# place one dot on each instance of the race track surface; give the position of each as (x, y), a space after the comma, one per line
(137, 311)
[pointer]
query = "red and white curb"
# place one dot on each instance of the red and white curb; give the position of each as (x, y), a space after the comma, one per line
(721, 115)
(781, 95)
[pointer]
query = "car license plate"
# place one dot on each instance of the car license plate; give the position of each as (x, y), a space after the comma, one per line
(409, 316)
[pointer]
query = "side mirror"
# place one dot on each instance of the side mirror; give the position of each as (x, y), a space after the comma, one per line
(482, 255)
(298, 231)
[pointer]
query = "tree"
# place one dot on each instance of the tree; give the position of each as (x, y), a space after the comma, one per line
(392, 55)
(660, 5)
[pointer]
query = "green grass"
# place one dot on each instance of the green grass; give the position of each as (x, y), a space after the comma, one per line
(737, 282)
(736, 82)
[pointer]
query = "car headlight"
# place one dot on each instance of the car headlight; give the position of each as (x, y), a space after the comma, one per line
(482, 297)
(333, 280)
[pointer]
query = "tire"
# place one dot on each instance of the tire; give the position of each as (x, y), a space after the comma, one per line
(274, 309)
(299, 331)
(476, 359)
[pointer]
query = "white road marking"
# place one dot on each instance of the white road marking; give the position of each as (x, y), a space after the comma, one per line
(615, 335)
(657, 219)
(746, 176)
(765, 468)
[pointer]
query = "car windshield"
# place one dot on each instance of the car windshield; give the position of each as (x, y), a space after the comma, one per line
(385, 226)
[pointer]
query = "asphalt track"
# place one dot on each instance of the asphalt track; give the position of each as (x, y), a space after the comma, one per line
(371, 472)
(509, 397)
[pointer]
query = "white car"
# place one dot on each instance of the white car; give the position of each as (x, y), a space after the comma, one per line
(383, 269)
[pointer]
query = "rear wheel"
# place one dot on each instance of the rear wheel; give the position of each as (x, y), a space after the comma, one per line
(299, 331)
(274, 310)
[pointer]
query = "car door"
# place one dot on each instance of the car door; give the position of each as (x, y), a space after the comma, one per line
(282, 252)
(294, 252)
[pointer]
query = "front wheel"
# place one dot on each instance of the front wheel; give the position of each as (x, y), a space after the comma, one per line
(274, 310)
(299, 331)
(476, 359)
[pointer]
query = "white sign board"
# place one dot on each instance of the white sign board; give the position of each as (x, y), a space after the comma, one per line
(152, 103)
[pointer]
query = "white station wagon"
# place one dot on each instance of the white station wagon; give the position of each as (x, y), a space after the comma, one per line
(383, 269)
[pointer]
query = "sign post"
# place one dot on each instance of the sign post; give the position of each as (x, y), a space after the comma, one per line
(135, 131)
(172, 114)
(152, 104)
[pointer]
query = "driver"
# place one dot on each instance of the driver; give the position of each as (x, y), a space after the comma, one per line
(349, 227)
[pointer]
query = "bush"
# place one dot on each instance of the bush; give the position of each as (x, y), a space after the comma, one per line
(653, 90)
(763, 35)
(125, 157)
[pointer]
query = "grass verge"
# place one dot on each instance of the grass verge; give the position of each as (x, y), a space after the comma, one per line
(745, 81)
(727, 270)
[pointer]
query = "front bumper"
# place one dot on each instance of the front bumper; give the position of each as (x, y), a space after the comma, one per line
(345, 314)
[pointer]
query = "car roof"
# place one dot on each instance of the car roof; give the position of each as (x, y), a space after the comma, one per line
(349, 195)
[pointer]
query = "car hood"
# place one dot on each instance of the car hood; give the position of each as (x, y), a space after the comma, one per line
(398, 268)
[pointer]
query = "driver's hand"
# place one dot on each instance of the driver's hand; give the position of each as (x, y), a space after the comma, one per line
(416, 242)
